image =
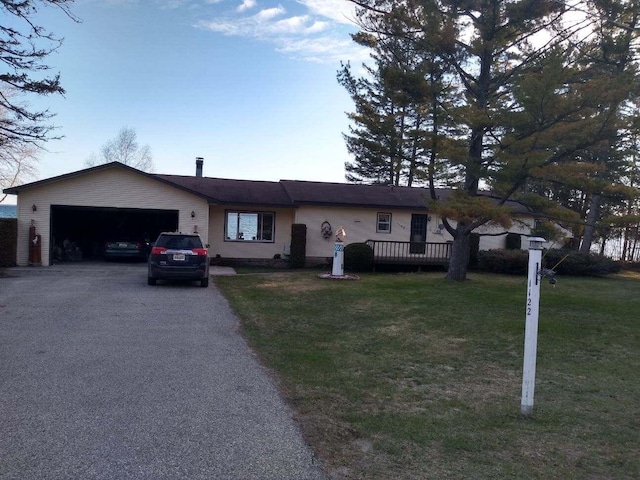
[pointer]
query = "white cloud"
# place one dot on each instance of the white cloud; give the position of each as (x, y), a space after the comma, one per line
(319, 33)
(269, 13)
(323, 49)
(318, 27)
(176, 4)
(301, 25)
(341, 11)
(267, 24)
(246, 5)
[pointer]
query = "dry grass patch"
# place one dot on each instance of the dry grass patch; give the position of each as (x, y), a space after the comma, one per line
(287, 283)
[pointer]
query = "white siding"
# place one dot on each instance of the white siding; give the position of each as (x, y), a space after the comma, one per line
(114, 187)
(520, 225)
(360, 226)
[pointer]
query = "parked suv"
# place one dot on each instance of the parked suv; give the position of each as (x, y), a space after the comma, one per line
(179, 256)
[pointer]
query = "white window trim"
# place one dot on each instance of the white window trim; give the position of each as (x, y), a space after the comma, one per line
(378, 230)
(245, 240)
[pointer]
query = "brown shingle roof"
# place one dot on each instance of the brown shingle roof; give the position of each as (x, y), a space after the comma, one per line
(234, 192)
(354, 195)
(285, 193)
(293, 193)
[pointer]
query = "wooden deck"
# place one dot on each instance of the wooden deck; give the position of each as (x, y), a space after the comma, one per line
(409, 253)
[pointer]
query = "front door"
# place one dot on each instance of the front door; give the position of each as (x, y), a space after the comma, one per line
(418, 233)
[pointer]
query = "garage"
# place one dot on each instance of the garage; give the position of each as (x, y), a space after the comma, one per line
(72, 216)
(80, 232)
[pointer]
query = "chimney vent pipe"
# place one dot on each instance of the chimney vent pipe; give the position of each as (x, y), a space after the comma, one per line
(199, 162)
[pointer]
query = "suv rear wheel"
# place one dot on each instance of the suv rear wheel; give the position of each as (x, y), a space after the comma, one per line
(204, 283)
(151, 281)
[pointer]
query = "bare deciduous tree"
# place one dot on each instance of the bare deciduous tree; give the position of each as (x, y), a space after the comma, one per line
(124, 149)
(24, 46)
(18, 160)
(16, 166)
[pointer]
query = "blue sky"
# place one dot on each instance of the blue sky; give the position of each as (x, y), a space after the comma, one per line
(250, 85)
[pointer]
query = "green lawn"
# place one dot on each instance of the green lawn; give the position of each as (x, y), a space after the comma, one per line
(410, 376)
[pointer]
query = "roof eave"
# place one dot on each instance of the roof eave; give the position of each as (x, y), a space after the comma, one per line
(359, 205)
(16, 190)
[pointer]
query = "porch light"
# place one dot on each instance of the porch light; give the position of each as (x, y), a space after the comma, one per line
(34, 208)
(193, 214)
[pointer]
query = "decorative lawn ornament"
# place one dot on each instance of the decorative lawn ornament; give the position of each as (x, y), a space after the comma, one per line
(325, 230)
(338, 253)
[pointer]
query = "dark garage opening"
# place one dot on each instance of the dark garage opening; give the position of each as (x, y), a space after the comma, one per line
(88, 228)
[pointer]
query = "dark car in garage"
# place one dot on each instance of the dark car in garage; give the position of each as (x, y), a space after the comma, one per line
(126, 248)
(179, 256)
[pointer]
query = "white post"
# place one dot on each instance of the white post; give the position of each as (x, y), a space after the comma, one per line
(531, 326)
(338, 253)
(338, 259)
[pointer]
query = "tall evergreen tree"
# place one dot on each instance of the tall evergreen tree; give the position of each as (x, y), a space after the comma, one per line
(611, 62)
(523, 110)
(373, 140)
(592, 183)
(400, 114)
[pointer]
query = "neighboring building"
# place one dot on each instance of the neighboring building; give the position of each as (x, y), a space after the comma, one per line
(240, 219)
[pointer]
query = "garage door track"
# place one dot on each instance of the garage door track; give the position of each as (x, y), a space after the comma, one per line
(104, 377)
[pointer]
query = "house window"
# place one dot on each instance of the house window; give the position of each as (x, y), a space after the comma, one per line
(384, 223)
(250, 226)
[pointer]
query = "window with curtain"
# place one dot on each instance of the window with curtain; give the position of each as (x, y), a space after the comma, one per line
(384, 223)
(249, 226)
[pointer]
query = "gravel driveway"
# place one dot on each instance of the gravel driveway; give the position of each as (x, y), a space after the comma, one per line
(104, 377)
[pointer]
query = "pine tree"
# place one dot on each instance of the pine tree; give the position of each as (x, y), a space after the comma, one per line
(524, 108)
(399, 116)
(611, 62)
(592, 183)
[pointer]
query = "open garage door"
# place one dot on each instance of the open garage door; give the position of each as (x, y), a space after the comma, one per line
(88, 228)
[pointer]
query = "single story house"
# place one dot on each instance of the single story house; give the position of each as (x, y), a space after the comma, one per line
(239, 219)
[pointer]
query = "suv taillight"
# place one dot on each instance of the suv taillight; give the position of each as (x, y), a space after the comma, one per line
(201, 252)
(158, 250)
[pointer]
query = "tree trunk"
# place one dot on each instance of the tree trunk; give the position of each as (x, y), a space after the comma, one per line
(414, 151)
(479, 98)
(627, 233)
(459, 254)
(590, 228)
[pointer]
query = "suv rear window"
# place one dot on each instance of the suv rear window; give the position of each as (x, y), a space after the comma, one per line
(182, 242)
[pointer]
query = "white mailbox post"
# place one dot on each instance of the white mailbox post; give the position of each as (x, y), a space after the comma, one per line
(338, 254)
(531, 325)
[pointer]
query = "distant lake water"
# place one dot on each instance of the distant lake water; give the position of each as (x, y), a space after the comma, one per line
(8, 211)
